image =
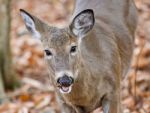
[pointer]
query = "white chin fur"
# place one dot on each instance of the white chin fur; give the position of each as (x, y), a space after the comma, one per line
(65, 92)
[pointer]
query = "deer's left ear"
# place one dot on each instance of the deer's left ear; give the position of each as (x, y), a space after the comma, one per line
(82, 23)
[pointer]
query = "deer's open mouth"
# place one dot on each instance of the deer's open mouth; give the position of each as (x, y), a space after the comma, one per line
(65, 83)
(64, 89)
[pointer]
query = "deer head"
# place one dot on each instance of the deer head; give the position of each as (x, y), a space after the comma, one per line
(61, 46)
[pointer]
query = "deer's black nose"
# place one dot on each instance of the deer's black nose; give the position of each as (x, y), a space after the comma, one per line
(65, 81)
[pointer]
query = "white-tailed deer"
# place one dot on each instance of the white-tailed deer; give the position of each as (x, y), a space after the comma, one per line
(88, 59)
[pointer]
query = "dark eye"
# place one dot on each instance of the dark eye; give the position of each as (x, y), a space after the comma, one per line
(48, 53)
(73, 49)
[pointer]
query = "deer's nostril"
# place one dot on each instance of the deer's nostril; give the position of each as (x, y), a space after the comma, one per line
(65, 81)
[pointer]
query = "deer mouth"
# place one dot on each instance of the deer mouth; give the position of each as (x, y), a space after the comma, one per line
(65, 83)
(65, 89)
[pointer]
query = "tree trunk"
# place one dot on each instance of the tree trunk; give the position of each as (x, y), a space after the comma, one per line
(6, 69)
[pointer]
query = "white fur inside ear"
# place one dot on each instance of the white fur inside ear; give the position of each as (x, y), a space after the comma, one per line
(78, 33)
(75, 31)
(82, 23)
(30, 25)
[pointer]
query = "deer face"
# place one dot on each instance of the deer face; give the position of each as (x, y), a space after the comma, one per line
(61, 46)
(61, 54)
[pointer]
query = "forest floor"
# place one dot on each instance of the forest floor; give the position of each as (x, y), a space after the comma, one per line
(36, 95)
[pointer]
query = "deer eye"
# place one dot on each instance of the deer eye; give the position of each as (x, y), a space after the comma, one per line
(48, 52)
(73, 49)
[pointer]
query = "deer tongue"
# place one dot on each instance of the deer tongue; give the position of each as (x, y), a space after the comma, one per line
(65, 89)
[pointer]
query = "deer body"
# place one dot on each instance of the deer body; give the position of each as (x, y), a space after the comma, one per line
(115, 18)
(100, 40)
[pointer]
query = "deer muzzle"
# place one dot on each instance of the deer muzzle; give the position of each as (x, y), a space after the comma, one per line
(65, 84)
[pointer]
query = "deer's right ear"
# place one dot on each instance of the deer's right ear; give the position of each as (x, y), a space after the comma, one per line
(30, 23)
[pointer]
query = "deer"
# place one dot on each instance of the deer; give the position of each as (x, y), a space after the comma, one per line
(88, 58)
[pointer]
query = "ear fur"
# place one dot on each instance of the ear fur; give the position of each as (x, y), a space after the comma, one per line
(34, 25)
(82, 23)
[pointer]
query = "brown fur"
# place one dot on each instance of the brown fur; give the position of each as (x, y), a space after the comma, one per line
(103, 58)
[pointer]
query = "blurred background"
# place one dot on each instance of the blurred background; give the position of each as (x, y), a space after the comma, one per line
(24, 81)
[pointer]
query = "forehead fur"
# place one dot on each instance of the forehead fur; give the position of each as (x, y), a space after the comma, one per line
(57, 37)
